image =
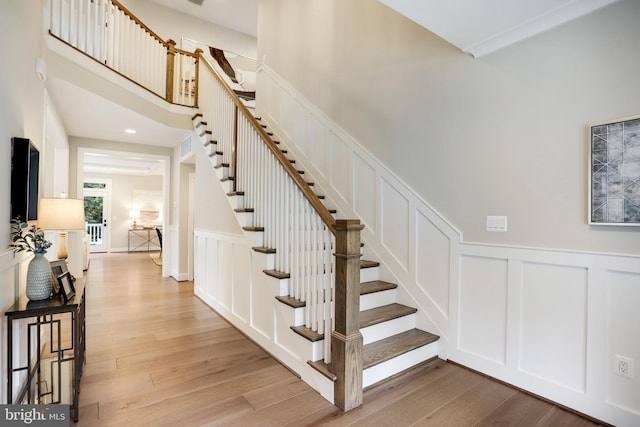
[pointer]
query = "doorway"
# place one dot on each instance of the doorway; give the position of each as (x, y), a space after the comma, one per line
(97, 205)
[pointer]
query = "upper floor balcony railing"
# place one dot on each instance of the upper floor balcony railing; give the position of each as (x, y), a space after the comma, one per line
(107, 32)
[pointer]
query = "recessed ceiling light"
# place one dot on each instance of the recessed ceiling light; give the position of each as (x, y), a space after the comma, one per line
(131, 131)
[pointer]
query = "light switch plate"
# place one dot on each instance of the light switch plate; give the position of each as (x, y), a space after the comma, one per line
(497, 223)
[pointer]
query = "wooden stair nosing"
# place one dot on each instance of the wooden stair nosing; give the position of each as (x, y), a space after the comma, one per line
(395, 345)
(254, 229)
(376, 286)
(307, 333)
(211, 141)
(235, 193)
(221, 165)
(228, 178)
(195, 116)
(384, 313)
(264, 250)
(277, 274)
(323, 368)
(241, 210)
(368, 264)
(291, 301)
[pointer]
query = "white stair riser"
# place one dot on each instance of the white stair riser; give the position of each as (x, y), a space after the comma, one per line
(222, 172)
(293, 342)
(227, 186)
(245, 219)
(236, 201)
(257, 238)
(369, 274)
(398, 364)
(377, 299)
(386, 329)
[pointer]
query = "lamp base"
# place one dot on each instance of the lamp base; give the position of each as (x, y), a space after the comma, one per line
(62, 247)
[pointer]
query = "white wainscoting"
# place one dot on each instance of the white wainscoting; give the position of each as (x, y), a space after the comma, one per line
(13, 270)
(551, 322)
(229, 278)
(546, 320)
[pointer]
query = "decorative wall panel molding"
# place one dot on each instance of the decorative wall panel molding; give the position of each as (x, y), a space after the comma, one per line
(500, 310)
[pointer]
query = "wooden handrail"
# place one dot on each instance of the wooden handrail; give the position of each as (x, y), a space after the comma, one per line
(313, 199)
(137, 21)
(148, 30)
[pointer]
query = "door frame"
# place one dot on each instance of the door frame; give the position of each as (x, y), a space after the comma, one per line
(106, 208)
(166, 184)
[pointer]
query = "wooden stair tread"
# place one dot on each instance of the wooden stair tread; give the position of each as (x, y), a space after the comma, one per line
(240, 210)
(235, 193)
(388, 348)
(254, 229)
(307, 333)
(291, 301)
(368, 264)
(277, 274)
(264, 250)
(382, 314)
(376, 286)
(323, 368)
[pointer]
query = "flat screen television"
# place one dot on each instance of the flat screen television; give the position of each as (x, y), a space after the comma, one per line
(25, 170)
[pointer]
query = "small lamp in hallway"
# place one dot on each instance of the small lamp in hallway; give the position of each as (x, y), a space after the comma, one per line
(63, 215)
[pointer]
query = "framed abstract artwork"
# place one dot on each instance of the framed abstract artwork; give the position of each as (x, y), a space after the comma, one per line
(614, 187)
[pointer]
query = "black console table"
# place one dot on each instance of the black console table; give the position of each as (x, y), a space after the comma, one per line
(49, 313)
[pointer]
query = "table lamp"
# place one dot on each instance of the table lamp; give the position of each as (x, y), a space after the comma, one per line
(134, 215)
(62, 215)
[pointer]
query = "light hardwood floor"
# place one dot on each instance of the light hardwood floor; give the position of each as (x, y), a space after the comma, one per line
(158, 356)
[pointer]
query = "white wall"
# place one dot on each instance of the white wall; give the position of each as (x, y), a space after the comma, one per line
(501, 135)
(417, 140)
(22, 101)
(170, 24)
(122, 187)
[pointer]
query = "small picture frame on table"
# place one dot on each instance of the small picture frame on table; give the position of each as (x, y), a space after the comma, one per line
(67, 290)
(58, 267)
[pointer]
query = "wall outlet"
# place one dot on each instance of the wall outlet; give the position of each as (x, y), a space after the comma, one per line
(623, 366)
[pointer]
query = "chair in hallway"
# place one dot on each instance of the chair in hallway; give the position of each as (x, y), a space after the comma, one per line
(159, 239)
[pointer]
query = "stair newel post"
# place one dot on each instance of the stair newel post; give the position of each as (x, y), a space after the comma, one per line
(234, 149)
(171, 57)
(346, 339)
(198, 52)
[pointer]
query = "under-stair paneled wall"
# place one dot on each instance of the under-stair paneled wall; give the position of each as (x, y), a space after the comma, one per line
(412, 240)
(547, 320)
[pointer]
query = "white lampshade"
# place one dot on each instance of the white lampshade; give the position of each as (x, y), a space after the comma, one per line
(61, 214)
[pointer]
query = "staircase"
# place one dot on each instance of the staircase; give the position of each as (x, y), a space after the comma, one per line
(392, 343)
(310, 256)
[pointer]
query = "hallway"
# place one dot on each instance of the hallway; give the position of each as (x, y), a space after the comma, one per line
(158, 356)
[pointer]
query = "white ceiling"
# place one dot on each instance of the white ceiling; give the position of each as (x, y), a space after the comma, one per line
(87, 115)
(481, 27)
